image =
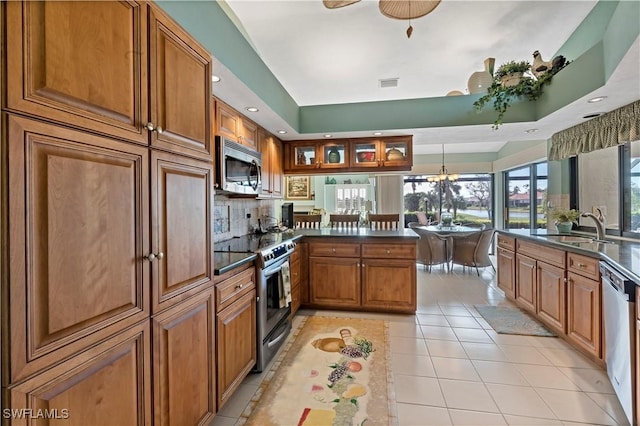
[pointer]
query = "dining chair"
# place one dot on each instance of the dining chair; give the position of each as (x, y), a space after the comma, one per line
(307, 221)
(473, 249)
(344, 221)
(384, 221)
(433, 249)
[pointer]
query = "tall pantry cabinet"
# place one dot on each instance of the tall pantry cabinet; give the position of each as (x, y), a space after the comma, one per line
(108, 310)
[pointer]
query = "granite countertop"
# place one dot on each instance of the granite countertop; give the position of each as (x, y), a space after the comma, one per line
(225, 261)
(359, 233)
(622, 254)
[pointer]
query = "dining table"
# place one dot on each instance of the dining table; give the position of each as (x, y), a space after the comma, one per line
(453, 230)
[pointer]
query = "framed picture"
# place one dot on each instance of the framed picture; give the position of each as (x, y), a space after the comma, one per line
(297, 188)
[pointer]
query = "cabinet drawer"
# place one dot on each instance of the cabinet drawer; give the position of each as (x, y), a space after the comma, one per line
(295, 255)
(542, 252)
(334, 249)
(231, 289)
(584, 265)
(506, 242)
(389, 251)
(295, 272)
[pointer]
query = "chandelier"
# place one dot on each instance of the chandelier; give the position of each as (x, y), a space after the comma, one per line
(443, 176)
(396, 9)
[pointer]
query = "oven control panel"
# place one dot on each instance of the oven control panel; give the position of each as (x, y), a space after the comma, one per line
(277, 251)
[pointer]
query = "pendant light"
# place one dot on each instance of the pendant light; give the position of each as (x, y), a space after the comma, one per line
(443, 176)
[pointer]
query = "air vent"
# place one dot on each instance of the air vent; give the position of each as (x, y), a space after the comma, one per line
(388, 82)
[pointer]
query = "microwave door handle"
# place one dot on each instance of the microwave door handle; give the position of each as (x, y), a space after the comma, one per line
(254, 166)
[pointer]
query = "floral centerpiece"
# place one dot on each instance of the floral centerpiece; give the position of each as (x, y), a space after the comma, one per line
(564, 218)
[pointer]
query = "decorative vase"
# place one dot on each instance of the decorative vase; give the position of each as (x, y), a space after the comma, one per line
(511, 79)
(480, 81)
(334, 155)
(446, 219)
(564, 227)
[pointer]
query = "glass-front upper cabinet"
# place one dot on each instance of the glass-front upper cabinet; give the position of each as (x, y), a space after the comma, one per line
(335, 155)
(365, 153)
(396, 151)
(302, 155)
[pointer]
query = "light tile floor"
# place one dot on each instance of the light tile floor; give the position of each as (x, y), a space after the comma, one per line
(451, 368)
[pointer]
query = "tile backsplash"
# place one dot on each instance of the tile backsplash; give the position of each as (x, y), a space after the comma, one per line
(230, 215)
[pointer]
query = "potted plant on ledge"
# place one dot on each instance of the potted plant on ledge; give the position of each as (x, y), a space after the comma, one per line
(564, 219)
(510, 82)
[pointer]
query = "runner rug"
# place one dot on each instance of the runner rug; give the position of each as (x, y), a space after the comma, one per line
(335, 372)
(509, 320)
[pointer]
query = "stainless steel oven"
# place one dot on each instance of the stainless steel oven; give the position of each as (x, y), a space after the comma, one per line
(238, 168)
(273, 310)
(272, 279)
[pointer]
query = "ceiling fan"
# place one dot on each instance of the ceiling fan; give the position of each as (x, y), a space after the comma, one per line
(396, 9)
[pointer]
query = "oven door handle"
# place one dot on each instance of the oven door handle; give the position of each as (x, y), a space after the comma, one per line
(269, 272)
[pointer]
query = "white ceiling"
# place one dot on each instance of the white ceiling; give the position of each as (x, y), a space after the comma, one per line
(324, 56)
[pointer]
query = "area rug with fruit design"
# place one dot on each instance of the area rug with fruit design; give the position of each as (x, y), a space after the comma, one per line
(335, 371)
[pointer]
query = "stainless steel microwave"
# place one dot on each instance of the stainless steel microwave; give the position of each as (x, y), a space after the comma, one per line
(238, 168)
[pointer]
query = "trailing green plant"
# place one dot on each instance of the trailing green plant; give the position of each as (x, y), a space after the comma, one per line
(502, 96)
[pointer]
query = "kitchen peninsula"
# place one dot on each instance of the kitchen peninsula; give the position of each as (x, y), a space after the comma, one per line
(361, 269)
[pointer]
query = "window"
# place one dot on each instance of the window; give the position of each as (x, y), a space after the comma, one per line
(469, 198)
(525, 195)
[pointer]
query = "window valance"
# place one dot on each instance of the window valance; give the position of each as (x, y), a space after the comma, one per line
(617, 127)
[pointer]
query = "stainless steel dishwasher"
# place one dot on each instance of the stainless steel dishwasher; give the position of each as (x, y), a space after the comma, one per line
(618, 306)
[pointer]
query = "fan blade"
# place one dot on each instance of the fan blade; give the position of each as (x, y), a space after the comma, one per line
(334, 4)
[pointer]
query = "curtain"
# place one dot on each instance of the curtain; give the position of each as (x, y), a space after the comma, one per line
(613, 128)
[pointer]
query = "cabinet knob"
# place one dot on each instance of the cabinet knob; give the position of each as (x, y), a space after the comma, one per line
(152, 256)
(581, 265)
(153, 128)
(333, 250)
(239, 286)
(388, 251)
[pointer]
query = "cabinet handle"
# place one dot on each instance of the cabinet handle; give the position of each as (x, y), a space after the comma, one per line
(239, 286)
(333, 250)
(152, 256)
(153, 128)
(581, 265)
(388, 251)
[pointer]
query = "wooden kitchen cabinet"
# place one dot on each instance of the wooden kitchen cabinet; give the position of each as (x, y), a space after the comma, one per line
(235, 329)
(116, 81)
(233, 125)
(295, 273)
(272, 170)
(386, 270)
(584, 313)
(78, 241)
(334, 281)
(349, 155)
(364, 276)
(526, 279)
(552, 296)
(506, 259)
(119, 367)
(181, 200)
(184, 335)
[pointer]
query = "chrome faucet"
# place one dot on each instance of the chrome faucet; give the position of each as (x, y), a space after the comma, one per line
(599, 221)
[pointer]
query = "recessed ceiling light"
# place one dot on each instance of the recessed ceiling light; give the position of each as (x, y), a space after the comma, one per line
(328, 136)
(252, 109)
(531, 130)
(595, 114)
(215, 78)
(377, 133)
(597, 99)
(282, 132)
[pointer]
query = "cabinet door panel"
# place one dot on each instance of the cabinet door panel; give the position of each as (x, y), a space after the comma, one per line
(107, 385)
(277, 169)
(80, 204)
(507, 272)
(334, 281)
(91, 73)
(552, 294)
(584, 309)
(180, 89)
(181, 215)
(389, 284)
(236, 344)
(184, 336)
(227, 121)
(526, 282)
